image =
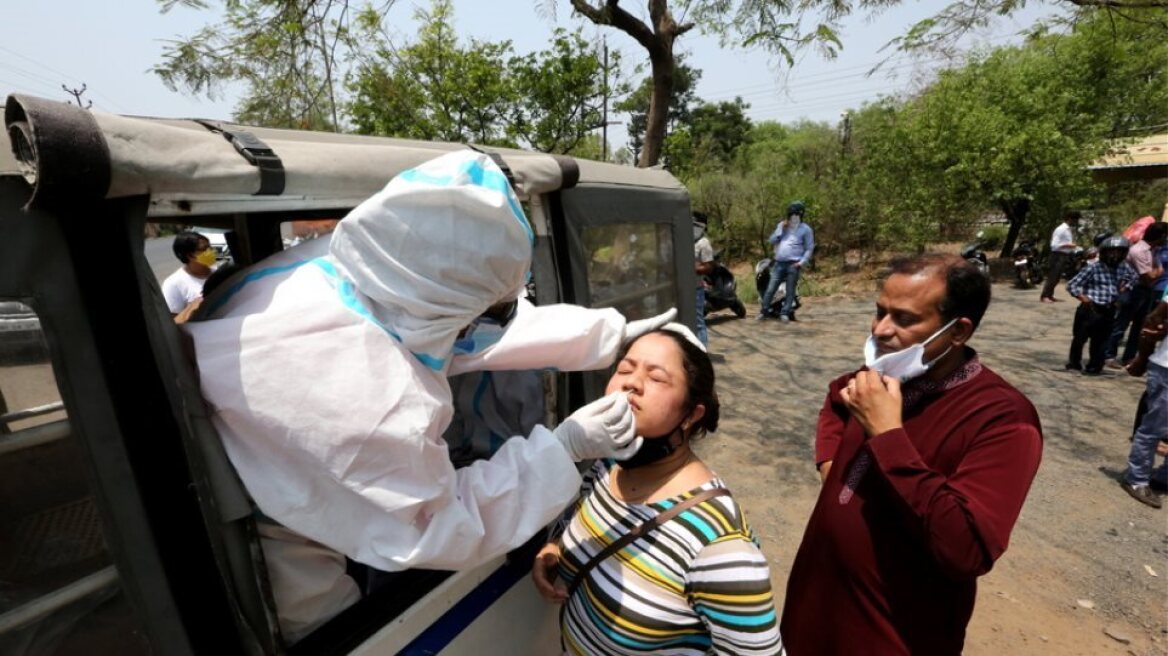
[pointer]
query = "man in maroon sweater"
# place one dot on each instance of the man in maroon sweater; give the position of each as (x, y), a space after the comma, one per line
(933, 456)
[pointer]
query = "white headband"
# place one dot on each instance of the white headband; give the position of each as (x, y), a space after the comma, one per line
(685, 332)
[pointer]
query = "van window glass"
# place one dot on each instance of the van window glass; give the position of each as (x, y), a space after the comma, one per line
(631, 267)
(295, 232)
(59, 590)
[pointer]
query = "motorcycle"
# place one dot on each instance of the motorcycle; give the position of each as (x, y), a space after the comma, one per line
(762, 277)
(1026, 270)
(722, 291)
(973, 254)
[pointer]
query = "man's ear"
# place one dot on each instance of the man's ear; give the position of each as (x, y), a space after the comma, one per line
(962, 331)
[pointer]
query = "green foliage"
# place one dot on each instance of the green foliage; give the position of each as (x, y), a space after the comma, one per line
(710, 139)
(681, 99)
(434, 88)
(284, 52)
(1009, 133)
(993, 236)
(440, 88)
(559, 93)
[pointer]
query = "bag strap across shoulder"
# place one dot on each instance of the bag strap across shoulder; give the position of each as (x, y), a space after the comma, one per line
(644, 528)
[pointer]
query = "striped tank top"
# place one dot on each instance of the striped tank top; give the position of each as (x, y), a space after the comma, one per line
(696, 585)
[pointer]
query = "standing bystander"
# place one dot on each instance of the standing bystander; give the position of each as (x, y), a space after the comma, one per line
(1134, 305)
(1097, 287)
(1152, 358)
(794, 244)
(935, 455)
(186, 283)
(1062, 245)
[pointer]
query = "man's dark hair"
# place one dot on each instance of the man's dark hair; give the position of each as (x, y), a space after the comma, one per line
(186, 244)
(1155, 231)
(967, 289)
(1073, 215)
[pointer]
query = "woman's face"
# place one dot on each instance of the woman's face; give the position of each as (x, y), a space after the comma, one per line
(654, 378)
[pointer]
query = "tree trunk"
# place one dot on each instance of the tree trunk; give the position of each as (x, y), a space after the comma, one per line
(1016, 211)
(656, 123)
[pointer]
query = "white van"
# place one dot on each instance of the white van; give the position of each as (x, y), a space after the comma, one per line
(123, 527)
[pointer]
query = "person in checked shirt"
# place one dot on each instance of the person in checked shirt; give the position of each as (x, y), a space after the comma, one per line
(1097, 287)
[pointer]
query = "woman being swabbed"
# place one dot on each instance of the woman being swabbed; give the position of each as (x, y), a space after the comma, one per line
(656, 557)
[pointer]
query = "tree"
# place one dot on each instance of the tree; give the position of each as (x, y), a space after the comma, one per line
(560, 93)
(682, 97)
(782, 27)
(439, 88)
(285, 52)
(434, 88)
(1014, 129)
(710, 137)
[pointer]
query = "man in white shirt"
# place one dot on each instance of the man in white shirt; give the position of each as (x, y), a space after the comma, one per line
(185, 285)
(1062, 246)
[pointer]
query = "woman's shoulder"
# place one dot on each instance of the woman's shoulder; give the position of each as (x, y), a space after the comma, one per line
(718, 517)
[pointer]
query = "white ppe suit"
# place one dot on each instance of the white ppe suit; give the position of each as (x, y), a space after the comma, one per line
(326, 378)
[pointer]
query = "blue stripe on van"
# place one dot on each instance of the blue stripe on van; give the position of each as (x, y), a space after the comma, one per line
(481, 177)
(454, 621)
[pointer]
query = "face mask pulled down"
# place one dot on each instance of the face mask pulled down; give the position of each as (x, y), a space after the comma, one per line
(654, 448)
(905, 364)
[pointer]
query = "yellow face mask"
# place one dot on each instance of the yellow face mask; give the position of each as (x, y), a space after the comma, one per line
(206, 258)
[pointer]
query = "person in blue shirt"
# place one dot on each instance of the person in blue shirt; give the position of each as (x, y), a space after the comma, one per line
(794, 243)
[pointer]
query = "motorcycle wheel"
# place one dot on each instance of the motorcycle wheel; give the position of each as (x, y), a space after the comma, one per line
(739, 309)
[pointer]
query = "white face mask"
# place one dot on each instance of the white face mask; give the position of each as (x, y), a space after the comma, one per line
(794, 221)
(905, 364)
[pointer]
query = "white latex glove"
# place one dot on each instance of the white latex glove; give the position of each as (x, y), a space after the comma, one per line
(635, 329)
(604, 428)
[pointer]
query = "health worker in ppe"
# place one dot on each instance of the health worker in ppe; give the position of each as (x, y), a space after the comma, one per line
(326, 375)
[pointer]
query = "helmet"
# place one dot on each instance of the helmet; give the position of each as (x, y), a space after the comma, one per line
(796, 207)
(1101, 237)
(1116, 242)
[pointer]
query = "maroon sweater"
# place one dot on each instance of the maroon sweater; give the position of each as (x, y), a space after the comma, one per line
(889, 564)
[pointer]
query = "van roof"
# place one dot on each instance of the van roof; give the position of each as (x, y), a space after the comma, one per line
(190, 167)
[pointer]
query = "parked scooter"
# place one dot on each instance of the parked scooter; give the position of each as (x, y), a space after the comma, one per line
(762, 277)
(722, 290)
(1027, 273)
(973, 253)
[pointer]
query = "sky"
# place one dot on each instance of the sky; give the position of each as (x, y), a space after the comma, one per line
(110, 47)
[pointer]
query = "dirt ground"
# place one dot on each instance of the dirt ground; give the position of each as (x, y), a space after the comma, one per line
(1077, 565)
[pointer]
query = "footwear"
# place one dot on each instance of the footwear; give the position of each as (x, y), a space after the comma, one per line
(1112, 363)
(1047, 299)
(1158, 485)
(1141, 493)
(1073, 366)
(1092, 372)
(784, 318)
(761, 317)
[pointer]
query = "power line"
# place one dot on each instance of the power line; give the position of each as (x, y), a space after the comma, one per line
(60, 74)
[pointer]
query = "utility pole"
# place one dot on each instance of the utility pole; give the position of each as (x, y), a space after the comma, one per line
(604, 124)
(76, 93)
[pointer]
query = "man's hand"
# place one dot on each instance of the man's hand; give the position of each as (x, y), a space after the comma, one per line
(874, 401)
(635, 329)
(824, 468)
(544, 575)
